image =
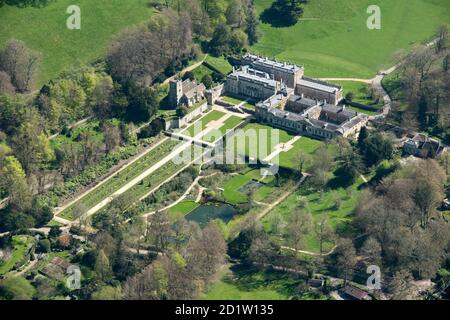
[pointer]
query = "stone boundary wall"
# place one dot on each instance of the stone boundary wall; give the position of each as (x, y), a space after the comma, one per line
(180, 122)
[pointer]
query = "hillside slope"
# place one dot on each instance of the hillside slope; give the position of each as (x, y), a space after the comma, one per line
(332, 40)
(44, 29)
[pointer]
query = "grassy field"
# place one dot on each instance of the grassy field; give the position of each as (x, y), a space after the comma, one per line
(44, 29)
(257, 135)
(181, 209)
(200, 72)
(250, 284)
(333, 40)
(236, 101)
(289, 159)
(228, 124)
(220, 64)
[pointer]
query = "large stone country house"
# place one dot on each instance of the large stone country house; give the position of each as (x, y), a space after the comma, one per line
(293, 102)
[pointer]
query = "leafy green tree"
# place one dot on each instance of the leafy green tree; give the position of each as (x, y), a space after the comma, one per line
(235, 14)
(181, 111)
(251, 29)
(283, 13)
(215, 10)
(44, 245)
(143, 103)
(349, 96)
(220, 41)
(377, 147)
(363, 134)
(14, 182)
(207, 81)
(238, 41)
(102, 266)
(350, 169)
(69, 94)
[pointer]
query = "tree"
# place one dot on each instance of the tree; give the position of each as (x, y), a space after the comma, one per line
(283, 13)
(189, 75)
(20, 63)
(377, 147)
(102, 266)
(350, 168)
(220, 41)
(107, 293)
(207, 81)
(44, 245)
(371, 249)
(204, 259)
(299, 225)
(69, 94)
(446, 63)
(238, 41)
(345, 258)
(235, 14)
(15, 183)
(215, 9)
(102, 98)
(252, 23)
(135, 233)
(111, 136)
(324, 232)
(442, 38)
(151, 284)
(143, 103)
(16, 288)
(182, 111)
(400, 285)
(6, 87)
(444, 159)
(363, 134)
(422, 112)
(302, 159)
(158, 230)
(141, 54)
(349, 96)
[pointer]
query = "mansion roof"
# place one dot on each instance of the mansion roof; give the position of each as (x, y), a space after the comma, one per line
(252, 75)
(331, 118)
(319, 85)
(268, 63)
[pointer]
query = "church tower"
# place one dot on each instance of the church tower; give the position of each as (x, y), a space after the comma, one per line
(175, 92)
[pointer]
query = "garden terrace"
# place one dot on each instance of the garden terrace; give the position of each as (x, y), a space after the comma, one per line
(114, 183)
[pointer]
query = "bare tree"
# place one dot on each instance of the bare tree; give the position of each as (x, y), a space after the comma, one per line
(324, 232)
(112, 136)
(206, 252)
(6, 87)
(442, 38)
(20, 63)
(299, 225)
(345, 259)
(159, 230)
